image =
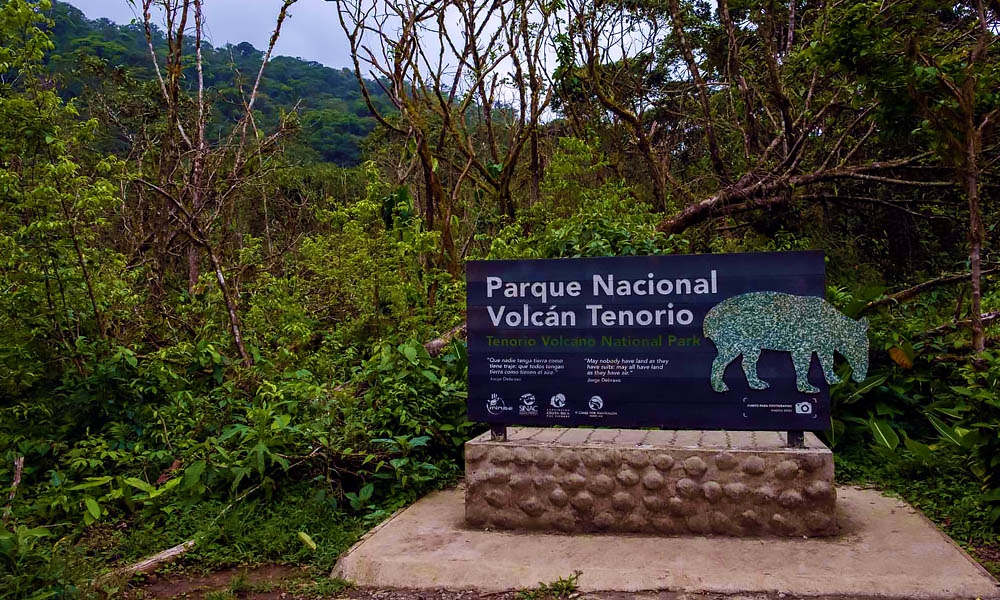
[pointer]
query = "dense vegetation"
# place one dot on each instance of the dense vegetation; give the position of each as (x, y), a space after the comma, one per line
(213, 333)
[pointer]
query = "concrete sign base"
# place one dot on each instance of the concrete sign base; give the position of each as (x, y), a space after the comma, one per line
(883, 549)
(741, 483)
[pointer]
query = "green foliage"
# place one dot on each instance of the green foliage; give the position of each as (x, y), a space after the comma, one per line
(583, 212)
(291, 467)
(174, 439)
(413, 408)
(923, 406)
(560, 589)
(376, 244)
(34, 567)
(967, 417)
(133, 443)
(920, 61)
(57, 280)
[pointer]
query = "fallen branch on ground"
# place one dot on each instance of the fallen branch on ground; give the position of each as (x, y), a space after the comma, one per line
(146, 565)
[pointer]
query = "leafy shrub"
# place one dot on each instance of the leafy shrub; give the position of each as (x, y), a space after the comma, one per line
(575, 219)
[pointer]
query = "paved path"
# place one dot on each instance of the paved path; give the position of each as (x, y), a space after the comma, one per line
(442, 594)
(885, 549)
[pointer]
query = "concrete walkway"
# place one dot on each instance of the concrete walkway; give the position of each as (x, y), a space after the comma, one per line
(885, 549)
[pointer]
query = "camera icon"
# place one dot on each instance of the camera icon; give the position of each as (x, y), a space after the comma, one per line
(803, 408)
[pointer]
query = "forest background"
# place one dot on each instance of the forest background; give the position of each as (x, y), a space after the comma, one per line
(231, 285)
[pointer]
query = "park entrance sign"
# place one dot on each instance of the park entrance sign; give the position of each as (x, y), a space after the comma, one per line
(714, 341)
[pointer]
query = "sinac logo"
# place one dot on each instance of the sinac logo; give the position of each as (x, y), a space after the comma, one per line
(596, 403)
(529, 407)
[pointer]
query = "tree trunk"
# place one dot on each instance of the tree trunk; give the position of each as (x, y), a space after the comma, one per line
(535, 168)
(193, 274)
(714, 153)
(976, 235)
(231, 310)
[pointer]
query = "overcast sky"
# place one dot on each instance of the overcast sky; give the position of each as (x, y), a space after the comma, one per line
(312, 32)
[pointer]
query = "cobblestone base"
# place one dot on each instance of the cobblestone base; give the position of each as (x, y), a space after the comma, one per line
(668, 482)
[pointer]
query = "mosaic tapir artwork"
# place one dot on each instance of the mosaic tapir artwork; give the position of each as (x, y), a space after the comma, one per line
(801, 325)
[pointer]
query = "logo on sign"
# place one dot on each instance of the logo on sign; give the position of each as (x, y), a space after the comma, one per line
(803, 408)
(558, 401)
(528, 406)
(495, 405)
(596, 403)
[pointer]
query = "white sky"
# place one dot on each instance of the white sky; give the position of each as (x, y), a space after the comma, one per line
(312, 32)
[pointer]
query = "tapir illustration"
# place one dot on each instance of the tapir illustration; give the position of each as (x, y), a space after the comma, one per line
(801, 325)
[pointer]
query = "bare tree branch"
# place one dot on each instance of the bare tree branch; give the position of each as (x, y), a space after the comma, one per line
(912, 292)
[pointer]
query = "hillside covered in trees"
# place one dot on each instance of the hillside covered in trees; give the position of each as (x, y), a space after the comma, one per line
(91, 54)
(231, 286)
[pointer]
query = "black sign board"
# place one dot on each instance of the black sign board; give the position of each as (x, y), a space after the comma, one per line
(714, 341)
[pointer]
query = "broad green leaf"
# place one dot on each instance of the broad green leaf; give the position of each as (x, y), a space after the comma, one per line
(922, 451)
(140, 484)
(947, 433)
(884, 410)
(366, 491)
(192, 474)
(233, 430)
(884, 434)
(35, 532)
(91, 482)
(409, 352)
(955, 412)
(308, 541)
(866, 386)
(836, 431)
(93, 507)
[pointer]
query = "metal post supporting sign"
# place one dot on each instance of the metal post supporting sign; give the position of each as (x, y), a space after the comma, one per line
(796, 439)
